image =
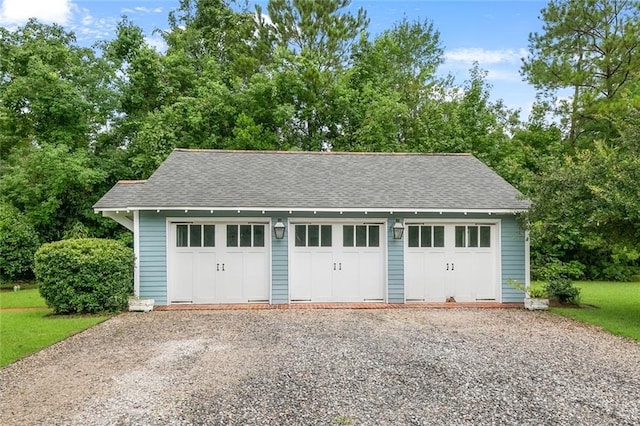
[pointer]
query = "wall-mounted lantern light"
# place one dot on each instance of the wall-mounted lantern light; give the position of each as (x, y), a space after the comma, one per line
(398, 229)
(278, 229)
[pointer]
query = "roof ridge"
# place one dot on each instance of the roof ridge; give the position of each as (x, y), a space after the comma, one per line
(354, 153)
(130, 182)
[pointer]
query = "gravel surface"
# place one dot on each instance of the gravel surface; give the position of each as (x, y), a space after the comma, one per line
(329, 367)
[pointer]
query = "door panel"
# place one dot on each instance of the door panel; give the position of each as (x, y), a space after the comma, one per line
(204, 277)
(231, 286)
(256, 281)
(321, 276)
(181, 277)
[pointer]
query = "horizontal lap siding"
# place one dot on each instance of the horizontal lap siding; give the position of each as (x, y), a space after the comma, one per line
(153, 257)
(513, 259)
(280, 266)
(395, 266)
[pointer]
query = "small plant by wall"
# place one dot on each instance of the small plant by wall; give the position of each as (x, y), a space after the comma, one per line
(85, 275)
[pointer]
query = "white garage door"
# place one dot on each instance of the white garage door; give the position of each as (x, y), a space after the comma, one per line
(337, 262)
(218, 263)
(451, 260)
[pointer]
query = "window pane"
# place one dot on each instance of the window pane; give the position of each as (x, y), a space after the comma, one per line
(425, 236)
(361, 235)
(314, 235)
(347, 236)
(460, 234)
(258, 235)
(438, 236)
(374, 236)
(473, 236)
(195, 235)
(209, 235)
(232, 235)
(301, 235)
(325, 240)
(245, 235)
(485, 236)
(182, 235)
(414, 236)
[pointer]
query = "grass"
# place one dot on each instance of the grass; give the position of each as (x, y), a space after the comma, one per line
(28, 331)
(613, 306)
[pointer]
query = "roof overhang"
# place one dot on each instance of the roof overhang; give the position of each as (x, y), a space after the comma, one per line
(263, 210)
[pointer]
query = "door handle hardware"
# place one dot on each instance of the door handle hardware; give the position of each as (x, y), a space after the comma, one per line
(447, 266)
(340, 266)
(334, 266)
(223, 267)
(217, 266)
(452, 266)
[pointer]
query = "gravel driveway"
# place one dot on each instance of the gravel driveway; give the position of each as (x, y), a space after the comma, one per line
(330, 367)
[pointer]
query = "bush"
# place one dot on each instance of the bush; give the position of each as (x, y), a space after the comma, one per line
(544, 271)
(85, 275)
(18, 243)
(563, 290)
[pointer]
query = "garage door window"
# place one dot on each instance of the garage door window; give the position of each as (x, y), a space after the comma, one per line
(245, 235)
(313, 235)
(473, 236)
(361, 236)
(426, 236)
(195, 235)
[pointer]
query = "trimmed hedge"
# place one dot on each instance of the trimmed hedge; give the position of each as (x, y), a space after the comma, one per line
(85, 275)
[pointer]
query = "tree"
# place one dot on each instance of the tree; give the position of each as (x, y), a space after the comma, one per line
(51, 90)
(590, 47)
(53, 187)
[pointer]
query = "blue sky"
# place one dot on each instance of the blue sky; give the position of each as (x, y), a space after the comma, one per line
(493, 33)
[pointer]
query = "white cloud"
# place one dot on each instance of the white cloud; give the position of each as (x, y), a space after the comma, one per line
(157, 43)
(485, 56)
(49, 11)
(142, 9)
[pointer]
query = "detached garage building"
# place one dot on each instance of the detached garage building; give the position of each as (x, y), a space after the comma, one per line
(292, 227)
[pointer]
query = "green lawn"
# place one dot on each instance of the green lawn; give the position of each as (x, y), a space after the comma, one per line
(613, 306)
(25, 332)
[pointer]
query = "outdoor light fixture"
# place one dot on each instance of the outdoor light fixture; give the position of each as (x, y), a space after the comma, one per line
(278, 229)
(398, 229)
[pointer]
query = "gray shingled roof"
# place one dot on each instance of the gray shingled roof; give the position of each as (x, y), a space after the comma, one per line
(314, 180)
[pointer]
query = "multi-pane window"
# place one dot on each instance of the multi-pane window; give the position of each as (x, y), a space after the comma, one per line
(195, 235)
(245, 235)
(425, 236)
(473, 236)
(313, 235)
(361, 236)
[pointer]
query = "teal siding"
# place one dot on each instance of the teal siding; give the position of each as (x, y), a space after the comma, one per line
(280, 265)
(153, 257)
(513, 258)
(395, 266)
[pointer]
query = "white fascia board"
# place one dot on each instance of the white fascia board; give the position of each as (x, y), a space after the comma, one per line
(319, 209)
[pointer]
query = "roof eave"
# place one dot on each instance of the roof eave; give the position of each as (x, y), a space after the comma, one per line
(316, 210)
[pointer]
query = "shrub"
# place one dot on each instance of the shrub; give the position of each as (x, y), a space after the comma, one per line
(85, 275)
(18, 243)
(545, 271)
(563, 290)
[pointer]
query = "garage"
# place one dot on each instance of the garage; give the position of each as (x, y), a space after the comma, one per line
(451, 261)
(337, 262)
(218, 262)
